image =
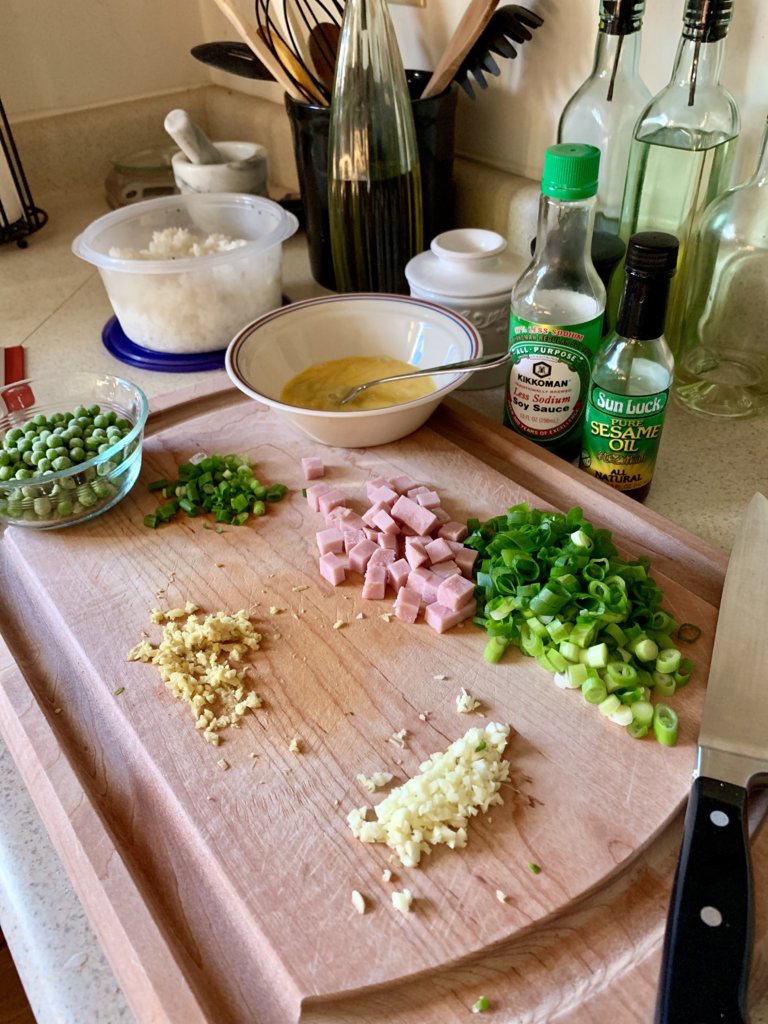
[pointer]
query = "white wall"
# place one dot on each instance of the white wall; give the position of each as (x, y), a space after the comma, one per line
(64, 54)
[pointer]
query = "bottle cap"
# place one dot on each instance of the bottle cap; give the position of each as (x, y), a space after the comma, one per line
(651, 254)
(707, 20)
(621, 17)
(570, 171)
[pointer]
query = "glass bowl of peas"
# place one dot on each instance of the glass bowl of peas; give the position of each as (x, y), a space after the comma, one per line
(70, 447)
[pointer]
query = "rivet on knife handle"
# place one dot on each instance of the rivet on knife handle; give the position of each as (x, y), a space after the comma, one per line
(708, 942)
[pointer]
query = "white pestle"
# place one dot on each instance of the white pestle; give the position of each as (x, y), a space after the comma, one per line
(191, 139)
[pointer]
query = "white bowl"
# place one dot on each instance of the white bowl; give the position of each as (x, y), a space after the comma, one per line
(266, 354)
(197, 303)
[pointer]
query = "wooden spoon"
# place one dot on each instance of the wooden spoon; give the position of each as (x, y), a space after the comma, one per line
(472, 23)
(323, 49)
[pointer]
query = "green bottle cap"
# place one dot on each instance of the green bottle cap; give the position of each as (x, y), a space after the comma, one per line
(570, 171)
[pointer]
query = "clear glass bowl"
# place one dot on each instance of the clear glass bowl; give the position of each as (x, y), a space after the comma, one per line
(76, 494)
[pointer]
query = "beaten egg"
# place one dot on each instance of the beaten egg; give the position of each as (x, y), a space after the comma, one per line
(322, 385)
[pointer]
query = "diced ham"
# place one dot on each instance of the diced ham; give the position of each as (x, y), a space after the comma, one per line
(401, 484)
(407, 511)
(417, 579)
(360, 555)
(312, 467)
(384, 522)
(398, 573)
(383, 494)
(329, 500)
(441, 515)
(345, 518)
(455, 592)
(372, 534)
(414, 491)
(407, 605)
(313, 494)
(373, 485)
(438, 550)
(374, 510)
(453, 531)
(331, 539)
(391, 541)
(332, 568)
(465, 559)
(441, 618)
(428, 499)
(446, 568)
(375, 583)
(352, 536)
(415, 552)
(382, 556)
(429, 588)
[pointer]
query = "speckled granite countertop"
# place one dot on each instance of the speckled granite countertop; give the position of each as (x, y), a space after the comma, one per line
(55, 306)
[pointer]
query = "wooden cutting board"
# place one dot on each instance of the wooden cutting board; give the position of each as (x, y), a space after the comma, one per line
(223, 895)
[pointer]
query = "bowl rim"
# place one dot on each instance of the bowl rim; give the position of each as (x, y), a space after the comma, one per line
(287, 226)
(434, 396)
(96, 460)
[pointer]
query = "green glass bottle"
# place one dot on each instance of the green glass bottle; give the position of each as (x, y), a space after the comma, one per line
(557, 307)
(683, 147)
(632, 372)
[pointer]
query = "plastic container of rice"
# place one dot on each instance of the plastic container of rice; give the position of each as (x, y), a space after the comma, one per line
(184, 273)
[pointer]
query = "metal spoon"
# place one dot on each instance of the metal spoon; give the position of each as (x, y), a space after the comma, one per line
(466, 365)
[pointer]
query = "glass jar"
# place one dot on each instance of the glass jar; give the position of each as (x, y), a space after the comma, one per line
(142, 175)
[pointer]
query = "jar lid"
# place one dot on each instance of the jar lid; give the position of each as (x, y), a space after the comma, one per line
(466, 263)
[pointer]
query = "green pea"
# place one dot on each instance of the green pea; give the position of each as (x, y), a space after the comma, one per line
(94, 410)
(7, 472)
(24, 444)
(5, 458)
(27, 458)
(23, 474)
(101, 420)
(64, 508)
(86, 497)
(14, 434)
(77, 454)
(62, 462)
(44, 466)
(40, 420)
(42, 506)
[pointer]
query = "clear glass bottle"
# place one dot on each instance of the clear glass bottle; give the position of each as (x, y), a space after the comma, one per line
(604, 109)
(632, 372)
(374, 178)
(557, 307)
(683, 146)
(723, 368)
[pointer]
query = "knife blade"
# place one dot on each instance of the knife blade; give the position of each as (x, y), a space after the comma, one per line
(708, 940)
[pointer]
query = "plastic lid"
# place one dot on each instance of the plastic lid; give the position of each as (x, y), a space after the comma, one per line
(117, 342)
(570, 171)
(651, 254)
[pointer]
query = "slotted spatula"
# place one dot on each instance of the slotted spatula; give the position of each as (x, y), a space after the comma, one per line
(507, 25)
(471, 24)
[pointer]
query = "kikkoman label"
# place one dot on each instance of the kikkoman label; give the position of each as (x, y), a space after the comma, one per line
(621, 437)
(549, 377)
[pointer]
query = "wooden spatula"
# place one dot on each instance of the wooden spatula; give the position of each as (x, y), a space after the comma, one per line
(472, 23)
(323, 49)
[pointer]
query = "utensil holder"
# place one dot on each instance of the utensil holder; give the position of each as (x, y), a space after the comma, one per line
(435, 122)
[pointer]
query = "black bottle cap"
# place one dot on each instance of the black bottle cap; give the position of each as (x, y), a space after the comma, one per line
(651, 254)
(621, 17)
(707, 20)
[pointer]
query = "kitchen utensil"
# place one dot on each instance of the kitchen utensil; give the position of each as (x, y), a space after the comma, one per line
(259, 47)
(288, 53)
(708, 941)
(323, 48)
(244, 168)
(471, 24)
(12, 364)
(507, 25)
(191, 139)
(234, 57)
(267, 354)
(465, 365)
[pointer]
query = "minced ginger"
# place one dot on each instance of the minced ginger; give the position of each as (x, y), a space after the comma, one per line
(195, 659)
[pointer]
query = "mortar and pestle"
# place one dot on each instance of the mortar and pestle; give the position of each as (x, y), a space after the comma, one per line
(204, 166)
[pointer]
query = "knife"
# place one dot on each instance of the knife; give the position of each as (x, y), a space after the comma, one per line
(708, 939)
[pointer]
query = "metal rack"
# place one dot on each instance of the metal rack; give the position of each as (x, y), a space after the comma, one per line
(18, 196)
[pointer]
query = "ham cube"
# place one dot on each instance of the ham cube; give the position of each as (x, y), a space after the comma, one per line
(375, 583)
(384, 522)
(329, 500)
(372, 534)
(465, 559)
(415, 552)
(384, 494)
(415, 491)
(332, 568)
(429, 587)
(374, 485)
(398, 573)
(407, 511)
(360, 555)
(401, 484)
(331, 539)
(428, 499)
(313, 495)
(453, 531)
(445, 569)
(374, 511)
(312, 467)
(407, 605)
(345, 518)
(417, 579)
(391, 541)
(441, 618)
(455, 592)
(438, 550)
(352, 536)
(441, 515)
(382, 556)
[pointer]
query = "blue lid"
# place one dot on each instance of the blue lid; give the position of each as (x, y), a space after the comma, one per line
(122, 348)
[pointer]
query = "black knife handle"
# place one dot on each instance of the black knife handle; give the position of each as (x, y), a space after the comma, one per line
(708, 941)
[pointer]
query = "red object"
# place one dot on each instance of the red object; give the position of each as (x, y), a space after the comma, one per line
(13, 364)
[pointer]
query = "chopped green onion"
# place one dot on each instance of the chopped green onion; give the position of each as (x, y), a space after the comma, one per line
(151, 521)
(119, 690)
(494, 649)
(663, 685)
(482, 1004)
(688, 632)
(480, 746)
(642, 712)
(668, 661)
(534, 868)
(665, 725)
(593, 691)
(637, 730)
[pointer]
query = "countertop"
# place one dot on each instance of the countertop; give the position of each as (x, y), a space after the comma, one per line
(55, 305)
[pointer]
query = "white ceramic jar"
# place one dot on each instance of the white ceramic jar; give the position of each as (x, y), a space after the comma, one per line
(468, 271)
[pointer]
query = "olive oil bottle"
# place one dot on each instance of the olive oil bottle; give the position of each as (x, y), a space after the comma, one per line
(632, 373)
